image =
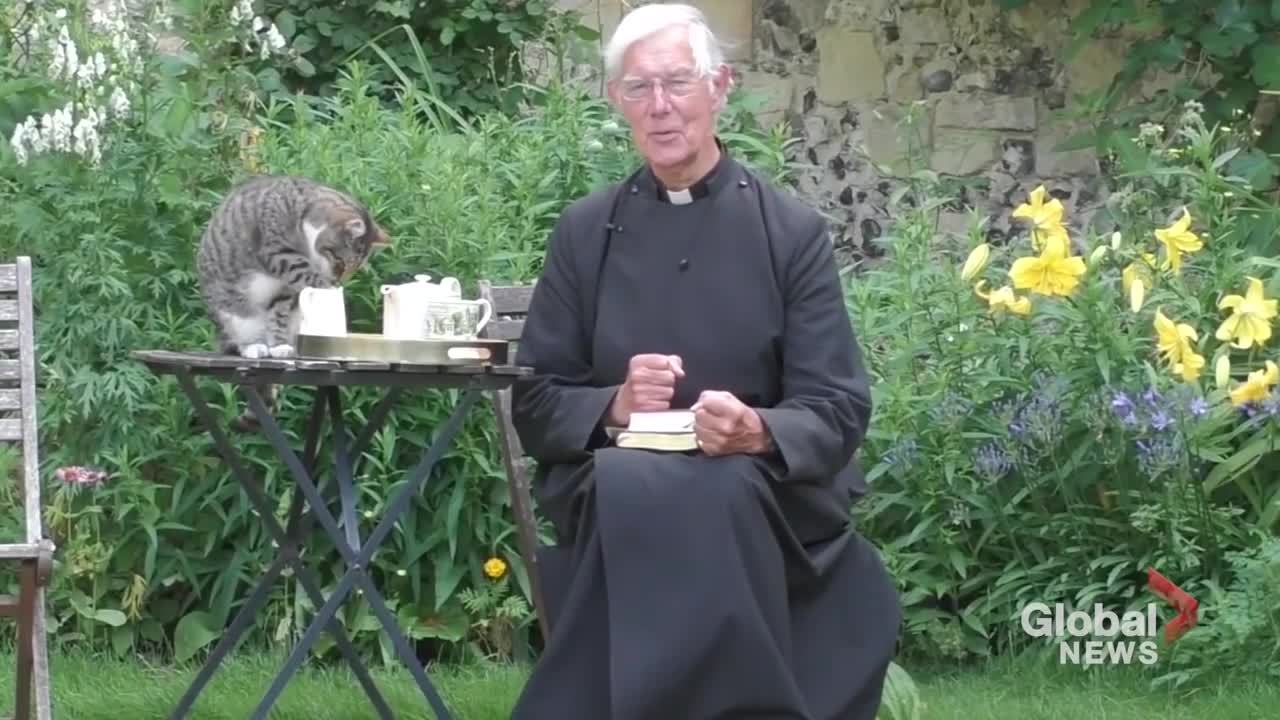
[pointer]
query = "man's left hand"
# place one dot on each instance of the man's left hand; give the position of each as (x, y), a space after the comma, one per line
(724, 425)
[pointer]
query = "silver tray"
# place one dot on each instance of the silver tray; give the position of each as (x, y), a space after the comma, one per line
(371, 347)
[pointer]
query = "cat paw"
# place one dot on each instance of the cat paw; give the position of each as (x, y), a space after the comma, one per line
(254, 351)
(281, 351)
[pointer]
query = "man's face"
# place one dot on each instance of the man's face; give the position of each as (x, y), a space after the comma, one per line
(671, 109)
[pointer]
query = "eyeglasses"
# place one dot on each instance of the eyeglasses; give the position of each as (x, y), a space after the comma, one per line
(680, 86)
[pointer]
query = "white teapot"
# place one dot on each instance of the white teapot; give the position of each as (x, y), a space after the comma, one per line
(404, 306)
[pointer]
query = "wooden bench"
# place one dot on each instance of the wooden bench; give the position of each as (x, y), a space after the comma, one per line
(510, 307)
(33, 553)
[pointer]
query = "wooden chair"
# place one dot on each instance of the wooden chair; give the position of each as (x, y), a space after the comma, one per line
(34, 553)
(510, 307)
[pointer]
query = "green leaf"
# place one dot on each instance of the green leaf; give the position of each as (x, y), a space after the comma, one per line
(114, 618)
(305, 43)
(286, 23)
(194, 631)
(1266, 66)
(304, 66)
(447, 35)
(448, 575)
(1255, 167)
(121, 640)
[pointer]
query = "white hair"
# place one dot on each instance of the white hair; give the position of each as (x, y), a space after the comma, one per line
(653, 18)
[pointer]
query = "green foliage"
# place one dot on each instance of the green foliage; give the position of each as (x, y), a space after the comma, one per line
(474, 45)
(160, 556)
(1226, 54)
(1241, 630)
(1055, 455)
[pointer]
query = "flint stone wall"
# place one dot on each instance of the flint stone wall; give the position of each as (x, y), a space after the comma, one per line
(990, 89)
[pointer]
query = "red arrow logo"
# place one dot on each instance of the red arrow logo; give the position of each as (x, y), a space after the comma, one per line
(1187, 606)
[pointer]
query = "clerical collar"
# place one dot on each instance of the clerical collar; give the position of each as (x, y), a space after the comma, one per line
(698, 190)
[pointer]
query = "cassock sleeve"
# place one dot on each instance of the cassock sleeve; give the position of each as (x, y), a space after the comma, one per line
(826, 402)
(556, 411)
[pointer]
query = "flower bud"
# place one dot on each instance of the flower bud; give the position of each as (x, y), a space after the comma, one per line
(976, 262)
(1097, 255)
(1115, 240)
(1222, 371)
(1136, 293)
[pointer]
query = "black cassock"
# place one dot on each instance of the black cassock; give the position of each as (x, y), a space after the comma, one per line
(688, 587)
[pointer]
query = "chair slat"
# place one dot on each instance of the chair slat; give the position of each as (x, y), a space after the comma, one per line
(8, 339)
(10, 399)
(10, 430)
(19, 551)
(8, 310)
(511, 299)
(504, 329)
(9, 369)
(8, 277)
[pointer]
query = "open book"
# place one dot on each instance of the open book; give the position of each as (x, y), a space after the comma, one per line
(664, 430)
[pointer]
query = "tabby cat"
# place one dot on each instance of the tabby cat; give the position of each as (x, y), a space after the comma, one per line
(271, 237)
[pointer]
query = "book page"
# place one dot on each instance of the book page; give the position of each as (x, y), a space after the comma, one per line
(664, 421)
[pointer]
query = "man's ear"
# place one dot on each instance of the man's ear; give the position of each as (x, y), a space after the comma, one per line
(611, 90)
(721, 84)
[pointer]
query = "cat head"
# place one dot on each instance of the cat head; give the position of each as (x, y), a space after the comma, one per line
(348, 239)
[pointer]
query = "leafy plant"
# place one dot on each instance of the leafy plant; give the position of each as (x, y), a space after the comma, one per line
(1051, 414)
(159, 555)
(1224, 53)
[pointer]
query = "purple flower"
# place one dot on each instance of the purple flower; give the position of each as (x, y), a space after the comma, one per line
(1159, 455)
(1123, 408)
(1160, 420)
(1198, 407)
(992, 462)
(903, 454)
(1151, 397)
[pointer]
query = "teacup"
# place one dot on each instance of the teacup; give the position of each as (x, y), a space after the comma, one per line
(456, 318)
(323, 311)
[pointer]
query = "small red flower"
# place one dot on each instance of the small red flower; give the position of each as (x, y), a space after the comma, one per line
(79, 475)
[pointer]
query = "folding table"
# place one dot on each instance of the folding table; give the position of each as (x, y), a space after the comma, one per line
(325, 377)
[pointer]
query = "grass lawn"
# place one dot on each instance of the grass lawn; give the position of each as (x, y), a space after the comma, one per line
(89, 688)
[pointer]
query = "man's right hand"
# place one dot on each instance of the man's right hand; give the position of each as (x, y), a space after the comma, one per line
(650, 384)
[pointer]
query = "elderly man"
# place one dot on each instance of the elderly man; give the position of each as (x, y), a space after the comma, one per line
(725, 582)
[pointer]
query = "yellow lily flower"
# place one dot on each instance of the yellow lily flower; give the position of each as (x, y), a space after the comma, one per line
(1179, 239)
(1003, 299)
(1258, 386)
(976, 262)
(1174, 342)
(1045, 217)
(1250, 320)
(1054, 272)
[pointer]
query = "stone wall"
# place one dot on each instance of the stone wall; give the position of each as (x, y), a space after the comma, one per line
(988, 87)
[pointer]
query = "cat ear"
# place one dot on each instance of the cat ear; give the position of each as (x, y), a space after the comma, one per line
(354, 227)
(380, 240)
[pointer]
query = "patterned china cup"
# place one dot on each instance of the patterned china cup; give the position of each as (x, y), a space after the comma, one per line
(455, 318)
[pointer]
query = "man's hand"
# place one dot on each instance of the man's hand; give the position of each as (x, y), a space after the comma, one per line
(723, 425)
(650, 384)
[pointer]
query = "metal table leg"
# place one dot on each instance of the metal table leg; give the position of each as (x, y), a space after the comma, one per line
(286, 540)
(357, 562)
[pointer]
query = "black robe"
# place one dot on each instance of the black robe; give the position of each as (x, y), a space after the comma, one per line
(688, 587)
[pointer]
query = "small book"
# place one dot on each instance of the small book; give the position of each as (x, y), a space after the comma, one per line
(669, 430)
